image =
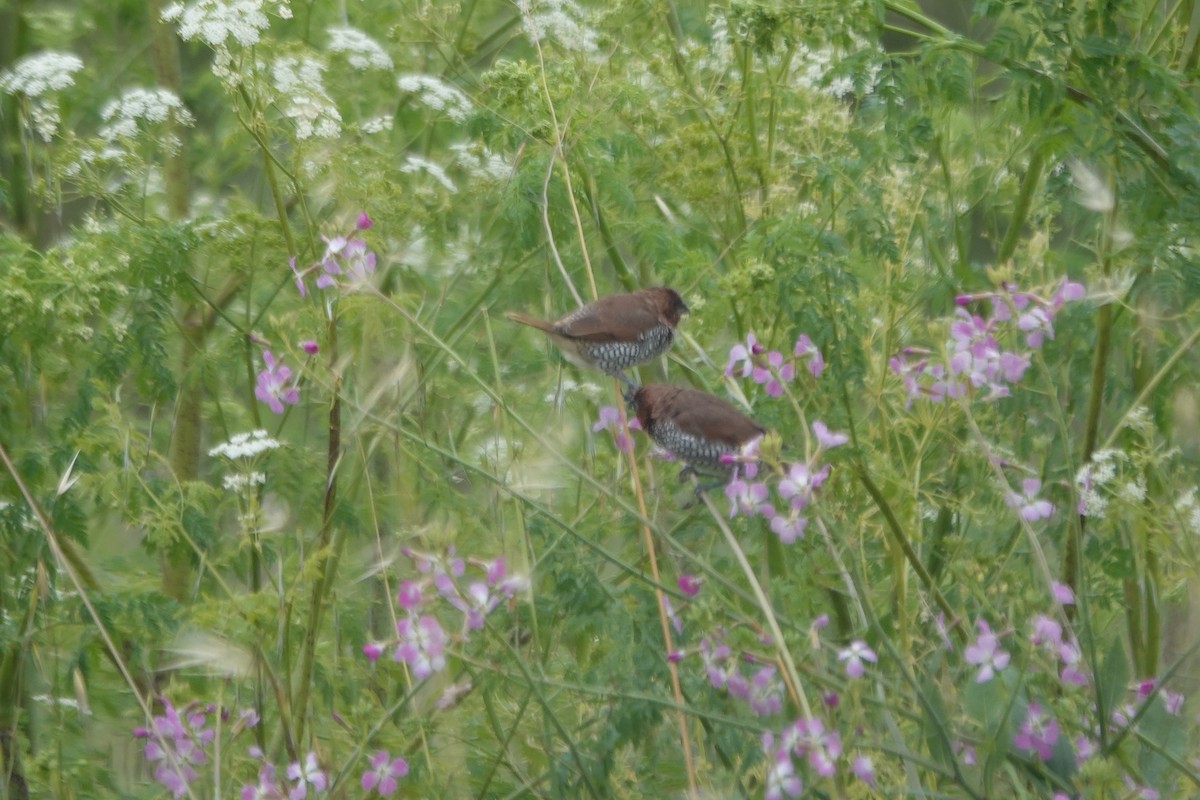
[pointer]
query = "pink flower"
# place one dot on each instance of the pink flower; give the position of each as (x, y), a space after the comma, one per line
(825, 438)
(272, 387)
(422, 645)
(1029, 505)
(1038, 732)
(855, 655)
(384, 772)
(741, 356)
(363, 222)
(310, 346)
(689, 585)
(985, 651)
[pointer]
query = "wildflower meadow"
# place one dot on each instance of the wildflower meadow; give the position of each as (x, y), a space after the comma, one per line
(289, 509)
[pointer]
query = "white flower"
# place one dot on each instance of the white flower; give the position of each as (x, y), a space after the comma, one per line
(376, 124)
(559, 19)
(151, 105)
(217, 21)
(305, 100)
(437, 94)
(245, 445)
(415, 164)
(39, 73)
(361, 50)
(481, 163)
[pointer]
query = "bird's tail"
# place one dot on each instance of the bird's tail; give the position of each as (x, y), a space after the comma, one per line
(533, 322)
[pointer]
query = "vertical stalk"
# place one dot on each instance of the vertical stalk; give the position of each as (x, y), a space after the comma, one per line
(324, 550)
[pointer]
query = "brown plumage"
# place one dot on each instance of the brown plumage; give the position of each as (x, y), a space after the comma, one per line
(617, 331)
(695, 426)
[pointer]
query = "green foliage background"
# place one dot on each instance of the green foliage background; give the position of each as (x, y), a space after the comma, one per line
(844, 170)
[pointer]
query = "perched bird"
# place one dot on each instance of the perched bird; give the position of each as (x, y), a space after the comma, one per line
(695, 426)
(616, 331)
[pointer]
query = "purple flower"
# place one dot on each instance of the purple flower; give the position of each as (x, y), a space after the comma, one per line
(985, 651)
(1062, 593)
(805, 347)
(363, 222)
(272, 387)
(408, 596)
(741, 356)
(798, 484)
(855, 655)
(1046, 631)
(689, 585)
(766, 692)
(1067, 291)
(746, 498)
(422, 645)
(384, 772)
(1029, 505)
(718, 661)
(307, 774)
(825, 438)
(789, 527)
(1038, 732)
(610, 419)
(782, 780)
(863, 769)
(372, 650)
(1172, 702)
(310, 346)
(299, 277)
(266, 788)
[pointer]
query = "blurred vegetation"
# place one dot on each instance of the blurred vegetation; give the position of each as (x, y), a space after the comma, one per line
(840, 169)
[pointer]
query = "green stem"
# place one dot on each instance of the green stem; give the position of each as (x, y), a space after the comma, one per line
(1033, 176)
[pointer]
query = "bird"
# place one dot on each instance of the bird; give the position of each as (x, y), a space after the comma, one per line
(616, 331)
(694, 426)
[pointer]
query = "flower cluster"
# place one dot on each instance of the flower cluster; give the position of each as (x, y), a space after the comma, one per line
(437, 94)
(303, 97)
(420, 638)
(176, 743)
(794, 483)
(346, 264)
(361, 50)
(37, 77)
(149, 106)
(300, 777)
(241, 450)
(976, 359)
(806, 739)
(769, 368)
(222, 25)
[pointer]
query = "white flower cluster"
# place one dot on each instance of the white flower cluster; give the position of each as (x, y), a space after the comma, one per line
(215, 22)
(361, 50)
(148, 105)
(376, 124)
(37, 76)
(562, 20)
(245, 445)
(437, 94)
(480, 162)
(1092, 477)
(236, 483)
(1189, 509)
(415, 164)
(39, 73)
(307, 103)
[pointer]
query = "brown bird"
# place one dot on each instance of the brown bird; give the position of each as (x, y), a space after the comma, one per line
(616, 331)
(695, 426)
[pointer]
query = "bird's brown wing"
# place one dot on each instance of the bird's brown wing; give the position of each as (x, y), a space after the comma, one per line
(708, 417)
(615, 318)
